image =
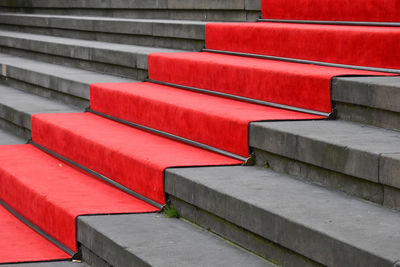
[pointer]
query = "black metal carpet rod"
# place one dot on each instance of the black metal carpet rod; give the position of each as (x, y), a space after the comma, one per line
(37, 229)
(328, 22)
(244, 99)
(304, 61)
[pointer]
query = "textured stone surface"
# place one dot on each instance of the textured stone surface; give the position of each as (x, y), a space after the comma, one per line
(48, 264)
(328, 227)
(153, 240)
(345, 147)
(7, 138)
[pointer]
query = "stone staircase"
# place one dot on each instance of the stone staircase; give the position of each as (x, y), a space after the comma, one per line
(321, 193)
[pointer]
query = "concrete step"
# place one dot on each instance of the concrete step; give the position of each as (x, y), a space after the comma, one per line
(153, 240)
(217, 10)
(17, 107)
(7, 138)
(369, 100)
(357, 159)
(118, 59)
(286, 220)
(179, 34)
(65, 84)
(48, 264)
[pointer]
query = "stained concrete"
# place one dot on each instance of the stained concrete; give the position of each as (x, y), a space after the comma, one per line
(341, 146)
(328, 227)
(153, 240)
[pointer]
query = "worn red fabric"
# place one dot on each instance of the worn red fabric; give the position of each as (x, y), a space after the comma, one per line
(131, 157)
(299, 85)
(215, 121)
(51, 193)
(19, 243)
(351, 45)
(336, 10)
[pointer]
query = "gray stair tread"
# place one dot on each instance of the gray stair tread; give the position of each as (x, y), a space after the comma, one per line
(86, 43)
(346, 147)
(7, 138)
(49, 71)
(329, 227)
(152, 239)
(48, 264)
(31, 104)
(137, 4)
(18, 106)
(89, 18)
(377, 92)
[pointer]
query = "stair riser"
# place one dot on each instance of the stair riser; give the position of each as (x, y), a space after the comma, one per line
(129, 72)
(240, 236)
(300, 238)
(140, 32)
(142, 40)
(199, 15)
(138, 4)
(46, 86)
(15, 129)
(372, 100)
(366, 115)
(378, 193)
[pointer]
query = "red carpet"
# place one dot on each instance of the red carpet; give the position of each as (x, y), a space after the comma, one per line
(133, 158)
(339, 10)
(51, 194)
(351, 45)
(299, 85)
(19, 243)
(215, 121)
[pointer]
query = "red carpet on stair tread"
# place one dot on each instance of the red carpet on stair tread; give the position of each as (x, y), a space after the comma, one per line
(299, 85)
(19, 243)
(336, 10)
(351, 45)
(51, 193)
(131, 157)
(215, 121)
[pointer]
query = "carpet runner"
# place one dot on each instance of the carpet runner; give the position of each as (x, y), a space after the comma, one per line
(332, 10)
(19, 243)
(351, 45)
(51, 194)
(293, 84)
(215, 121)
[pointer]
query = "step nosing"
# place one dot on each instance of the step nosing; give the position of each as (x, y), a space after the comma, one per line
(98, 175)
(37, 229)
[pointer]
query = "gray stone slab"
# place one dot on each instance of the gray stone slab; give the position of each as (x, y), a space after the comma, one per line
(376, 92)
(48, 264)
(153, 240)
(116, 54)
(345, 147)
(7, 138)
(325, 226)
(64, 79)
(136, 4)
(18, 107)
(152, 27)
(389, 169)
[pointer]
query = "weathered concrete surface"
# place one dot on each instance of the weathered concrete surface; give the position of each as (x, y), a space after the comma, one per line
(377, 92)
(66, 80)
(18, 106)
(389, 170)
(7, 138)
(153, 240)
(328, 227)
(117, 54)
(370, 100)
(345, 147)
(48, 264)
